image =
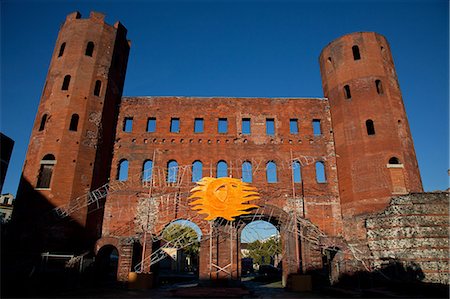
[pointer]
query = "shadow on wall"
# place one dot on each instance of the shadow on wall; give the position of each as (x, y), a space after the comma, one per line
(34, 229)
(395, 278)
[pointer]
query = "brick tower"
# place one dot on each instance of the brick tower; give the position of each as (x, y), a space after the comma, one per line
(71, 144)
(374, 147)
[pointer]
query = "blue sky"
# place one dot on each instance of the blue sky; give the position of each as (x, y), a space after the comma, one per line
(236, 48)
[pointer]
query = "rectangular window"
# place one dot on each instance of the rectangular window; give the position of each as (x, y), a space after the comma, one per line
(175, 125)
(128, 124)
(246, 126)
(222, 126)
(316, 127)
(270, 126)
(293, 126)
(198, 125)
(151, 124)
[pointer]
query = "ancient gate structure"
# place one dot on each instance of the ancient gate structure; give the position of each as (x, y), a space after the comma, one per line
(121, 168)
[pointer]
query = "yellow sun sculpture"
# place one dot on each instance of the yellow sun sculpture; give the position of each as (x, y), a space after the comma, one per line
(222, 197)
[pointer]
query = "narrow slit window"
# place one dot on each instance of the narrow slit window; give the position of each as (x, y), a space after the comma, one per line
(46, 171)
(271, 172)
(122, 172)
(61, 49)
(347, 93)
(43, 122)
(247, 172)
(356, 54)
(151, 124)
(175, 125)
(222, 169)
(74, 122)
(320, 172)
(370, 127)
(246, 128)
(147, 170)
(97, 88)
(317, 131)
(379, 86)
(293, 125)
(66, 82)
(172, 171)
(222, 125)
(270, 126)
(128, 124)
(296, 172)
(197, 171)
(198, 125)
(89, 49)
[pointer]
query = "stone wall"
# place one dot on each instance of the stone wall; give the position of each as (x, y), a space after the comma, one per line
(413, 231)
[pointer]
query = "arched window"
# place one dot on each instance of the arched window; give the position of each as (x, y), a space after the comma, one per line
(197, 171)
(61, 49)
(379, 86)
(222, 169)
(271, 172)
(296, 172)
(394, 160)
(43, 122)
(66, 82)
(46, 171)
(356, 55)
(122, 172)
(247, 172)
(347, 93)
(370, 127)
(320, 172)
(147, 169)
(97, 88)
(74, 122)
(89, 49)
(172, 171)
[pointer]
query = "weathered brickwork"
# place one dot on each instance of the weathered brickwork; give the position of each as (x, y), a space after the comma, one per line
(414, 231)
(358, 134)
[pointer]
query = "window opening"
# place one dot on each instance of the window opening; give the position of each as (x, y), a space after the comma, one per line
(347, 93)
(356, 54)
(197, 171)
(128, 124)
(97, 88)
(74, 122)
(222, 169)
(246, 128)
(175, 125)
(122, 173)
(270, 126)
(66, 82)
(43, 122)
(151, 124)
(222, 126)
(271, 172)
(172, 171)
(46, 171)
(394, 160)
(61, 49)
(379, 86)
(296, 170)
(89, 49)
(247, 172)
(316, 127)
(293, 126)
(147, 170)
(198, 125)
(320, 172)
(370, 127)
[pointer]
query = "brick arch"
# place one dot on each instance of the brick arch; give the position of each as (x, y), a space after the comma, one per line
(201, 224)
(104, 241)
